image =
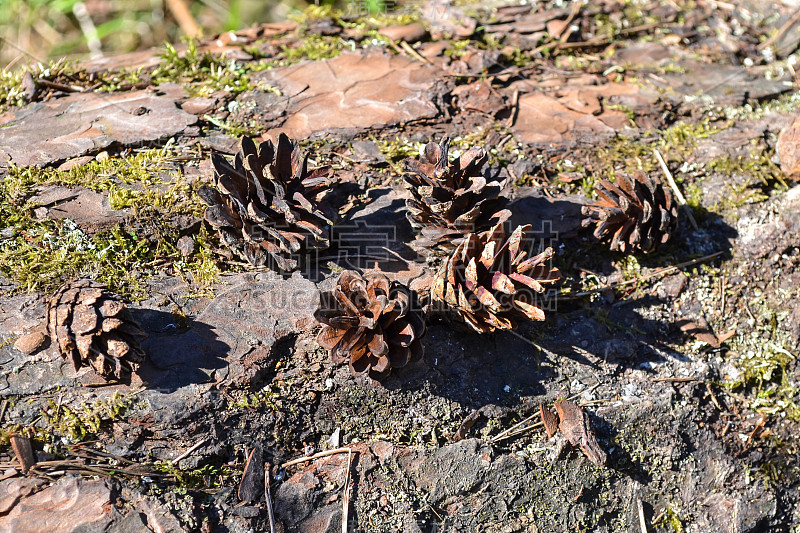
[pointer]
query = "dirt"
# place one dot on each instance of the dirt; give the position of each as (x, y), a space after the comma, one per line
(684, 360)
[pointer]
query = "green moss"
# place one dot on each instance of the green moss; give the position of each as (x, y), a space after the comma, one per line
(316, 47)
(457, 48)
(82, 423)
(758, 163)
(206, 476)
(396, 149)
(63, 71)
(787, 103)
(670, 520)
(257, 400)
(625, 109)
(11, 92)
(203, 73)
(317, 12)
(755, 176)
(41, 254)
(675, 143)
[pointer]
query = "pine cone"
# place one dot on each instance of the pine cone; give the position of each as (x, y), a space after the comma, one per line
(91, 326)
(451, 199)
(635, 212)
(489, 282)
(371, 323)
(265, 206)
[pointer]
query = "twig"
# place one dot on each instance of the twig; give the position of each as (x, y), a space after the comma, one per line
(268, 496)
(59, 86)
(600, 41)
(675, 189)
(88, 29)
(783, 29)
(640, 509)
(506, 433)
(346, 496)
(638, 279)
(186, 21)
(188, 452)
(315, 456)
(713, 397)
(413, 53)
(11, 472)
(673, 380)
(514, 110)
(759, 425)
(576, 8)
(3, 408)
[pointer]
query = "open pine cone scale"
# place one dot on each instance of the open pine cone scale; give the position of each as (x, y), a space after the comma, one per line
(490, 280)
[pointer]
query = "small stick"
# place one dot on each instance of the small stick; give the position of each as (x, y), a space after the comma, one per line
(186, 21)
(675, 189)
(59, 86)
(315, 456)
(268, 496)
(759, 425)
(346, 496)
(514, 110)
(413, 53)
(783, 29)
(506, 432)
(3, 408)
(188, 452)
(673, 380)
(642, 521)
(713, 397)
(659, 272)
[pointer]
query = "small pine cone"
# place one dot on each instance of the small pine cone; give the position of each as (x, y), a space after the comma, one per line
(265, 205)
(489, 282)
(451, 199)
(92, 327)
(371, 323)
(634, 213)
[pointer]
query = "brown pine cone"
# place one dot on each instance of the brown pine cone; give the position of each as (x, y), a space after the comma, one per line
(266, 205)
(371, 323)
(451, 199)
(92, 327)
(489, 281)
(634, 213)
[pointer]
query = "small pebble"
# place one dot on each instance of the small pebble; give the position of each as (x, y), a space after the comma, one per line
(30, 343)
(186, 246)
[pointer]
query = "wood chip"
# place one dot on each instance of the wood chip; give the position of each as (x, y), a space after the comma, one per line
(549, 419)
(575, 426)
(251, 487)
(24, 452)
(702, 332)
(466, 425)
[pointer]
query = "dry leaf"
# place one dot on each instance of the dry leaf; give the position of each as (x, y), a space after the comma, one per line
(575, 426)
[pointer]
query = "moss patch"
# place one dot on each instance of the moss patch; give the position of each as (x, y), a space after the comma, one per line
(41, 254)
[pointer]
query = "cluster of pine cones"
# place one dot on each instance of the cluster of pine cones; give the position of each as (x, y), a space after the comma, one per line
(269, 209)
